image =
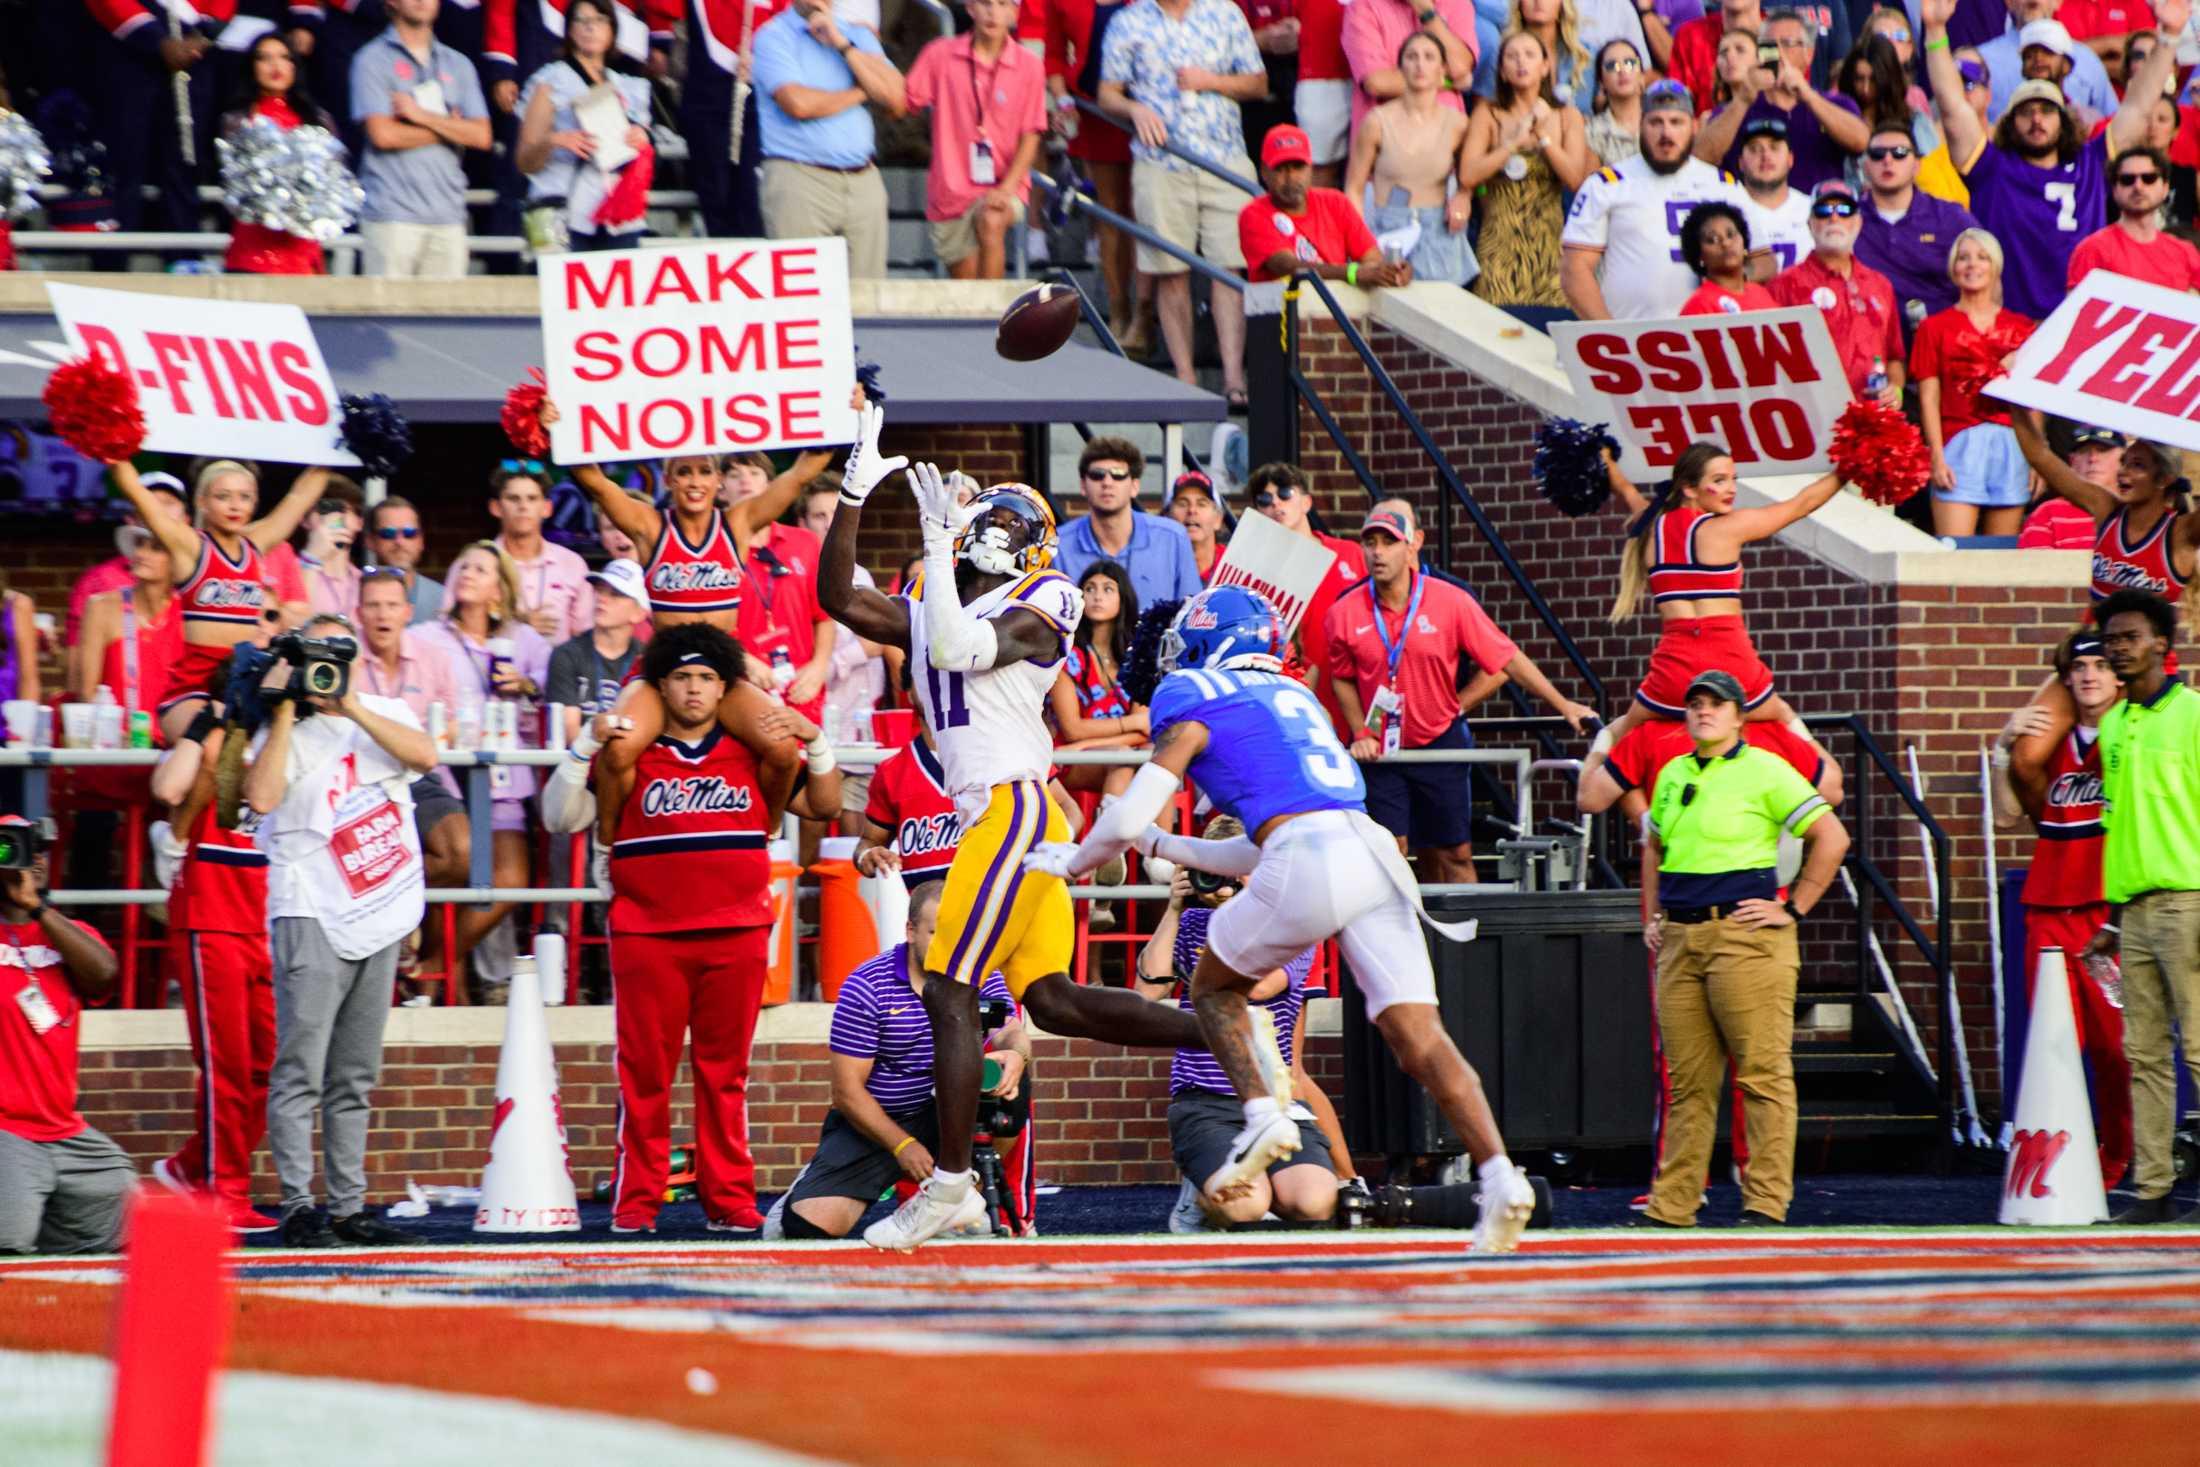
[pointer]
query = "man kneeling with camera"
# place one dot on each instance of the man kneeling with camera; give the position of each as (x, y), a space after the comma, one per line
(331, 778)
(883, 1125)
(62, 1184)
(1205, 1113)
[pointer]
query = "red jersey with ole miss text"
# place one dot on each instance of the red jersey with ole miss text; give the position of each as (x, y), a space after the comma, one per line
(2066, 864)
(222, 884)
(220, 589)
(2119, 565)
(707, 576)
(689, 854)
(909, 798)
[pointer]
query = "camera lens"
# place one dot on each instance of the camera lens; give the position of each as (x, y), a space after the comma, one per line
(321, 679)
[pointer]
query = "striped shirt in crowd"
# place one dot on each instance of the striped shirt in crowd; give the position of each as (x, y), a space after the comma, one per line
(879, 1017)
(1195, 1069)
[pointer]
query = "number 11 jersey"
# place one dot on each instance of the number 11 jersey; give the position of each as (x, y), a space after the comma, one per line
(991, 726)
(1270, 749)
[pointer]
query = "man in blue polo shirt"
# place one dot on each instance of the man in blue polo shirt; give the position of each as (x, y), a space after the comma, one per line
(1152, 548)
(883, 1125)
(815, 83)
(420, 105)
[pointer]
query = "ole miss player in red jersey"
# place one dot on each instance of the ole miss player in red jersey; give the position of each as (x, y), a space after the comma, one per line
(2064, 905)
(218, 952)
(686, 819)
(225, 587)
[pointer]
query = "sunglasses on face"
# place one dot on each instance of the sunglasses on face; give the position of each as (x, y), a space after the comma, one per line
(2136, 180)
(1900, 35)
(520, 466)
(382, 572)
(1833, 209)
(1097, 474)
(1893, 150)
(1623, 63)
(397, 532)
(1262, 498)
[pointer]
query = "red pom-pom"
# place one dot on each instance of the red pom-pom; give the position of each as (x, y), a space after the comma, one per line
(94, 409)
(628, 199)
(522, 416)
(1880, 452)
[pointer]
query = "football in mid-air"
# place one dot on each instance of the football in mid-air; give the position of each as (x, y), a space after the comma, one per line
(1037, 323)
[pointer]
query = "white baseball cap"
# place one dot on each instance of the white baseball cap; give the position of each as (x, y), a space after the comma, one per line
(2052, 34)
(624, 577)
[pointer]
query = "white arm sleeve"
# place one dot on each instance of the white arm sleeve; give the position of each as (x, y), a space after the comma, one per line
(1118, 826)
(955, 641)
(568, 804)
(1236, 856)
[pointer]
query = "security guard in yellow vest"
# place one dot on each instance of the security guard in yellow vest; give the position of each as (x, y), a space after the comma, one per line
(1725, 942)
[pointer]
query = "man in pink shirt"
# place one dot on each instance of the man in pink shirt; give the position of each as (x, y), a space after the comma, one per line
(987, 97)
(1395, 645)
(1375, 29)
(393, 663)
(2136, 244)
(554, 597)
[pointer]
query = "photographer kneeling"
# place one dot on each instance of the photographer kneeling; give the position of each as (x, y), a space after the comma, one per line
(331, 778)
(62, 1184)
(884, 1125)
(1205, 1113)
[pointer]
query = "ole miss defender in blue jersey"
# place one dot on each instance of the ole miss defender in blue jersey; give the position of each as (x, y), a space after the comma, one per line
(1316, 867)
(986, 632)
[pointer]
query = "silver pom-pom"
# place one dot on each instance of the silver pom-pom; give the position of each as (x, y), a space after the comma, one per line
(296, 180)
(24, 165)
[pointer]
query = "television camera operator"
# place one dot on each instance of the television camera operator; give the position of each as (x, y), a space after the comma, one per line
(62, 1184)
(331, 778)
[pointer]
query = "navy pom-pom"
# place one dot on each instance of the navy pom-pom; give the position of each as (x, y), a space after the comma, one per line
(377, 433)
(1141, 670)
(1569, 464)
(867, 379)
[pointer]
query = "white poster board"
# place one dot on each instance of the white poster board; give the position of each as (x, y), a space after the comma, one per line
(720, 346)
(1287, 569)
(1767, 384)
(234, 379)
(2119, 353)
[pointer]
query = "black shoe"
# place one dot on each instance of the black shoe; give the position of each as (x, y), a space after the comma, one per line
(1645, 1220)
(304, 1227)
(2146, 1212)
(371, 1232)
(1751, 1219)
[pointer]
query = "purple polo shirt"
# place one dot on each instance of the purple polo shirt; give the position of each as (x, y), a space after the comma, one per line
(1913, 251)
(1817, 157)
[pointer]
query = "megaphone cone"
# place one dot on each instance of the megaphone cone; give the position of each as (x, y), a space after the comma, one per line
(2054, 1173)
(529, 1184)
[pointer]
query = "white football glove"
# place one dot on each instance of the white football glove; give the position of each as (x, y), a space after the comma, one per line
(1051, 858)
(940, 514)
(866, 469)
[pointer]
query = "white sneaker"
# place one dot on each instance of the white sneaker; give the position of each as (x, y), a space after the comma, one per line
(980, 1226)
(924, 1217)
(1505, 1205)
(1250, 1154)
(775, 1221)
(165, 1173)
(1187, 1216)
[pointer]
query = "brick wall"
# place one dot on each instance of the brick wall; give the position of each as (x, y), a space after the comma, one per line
(1101, 1110)
(1934, 666)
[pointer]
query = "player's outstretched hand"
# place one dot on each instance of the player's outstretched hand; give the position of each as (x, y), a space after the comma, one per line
(938, 510)
(1051, 858)
(866, 468)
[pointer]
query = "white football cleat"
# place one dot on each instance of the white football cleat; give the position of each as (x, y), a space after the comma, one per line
(1255, 1147)
(924, 1217)
(1505, 1204)
(1188, 1216)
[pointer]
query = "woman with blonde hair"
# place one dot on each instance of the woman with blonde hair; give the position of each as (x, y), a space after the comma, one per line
(495, 654)
(1980, 480)
(1525, 152)
(1557, 24)
(1408, 148)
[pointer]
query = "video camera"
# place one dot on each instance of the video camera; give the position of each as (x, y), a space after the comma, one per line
(320, 666)
(22, 845)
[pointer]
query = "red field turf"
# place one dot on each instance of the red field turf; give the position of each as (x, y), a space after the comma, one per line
(1871, 1348)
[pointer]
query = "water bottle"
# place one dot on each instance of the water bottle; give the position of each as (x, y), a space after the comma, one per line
(466, 726)
(1067, 106)
(106, 719)
(2103, 970)
(1876, 383)
(439, 727)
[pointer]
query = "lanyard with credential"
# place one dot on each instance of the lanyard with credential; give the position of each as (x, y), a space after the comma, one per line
(1413, 606)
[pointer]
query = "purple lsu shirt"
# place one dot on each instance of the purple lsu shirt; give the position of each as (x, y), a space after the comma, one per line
(1195, 1069)
(879, 1017)
(2040, 214)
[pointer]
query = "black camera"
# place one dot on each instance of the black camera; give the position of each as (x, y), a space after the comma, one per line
(994, 1013)
(1207, 883)
(22, 845)
(320, 666)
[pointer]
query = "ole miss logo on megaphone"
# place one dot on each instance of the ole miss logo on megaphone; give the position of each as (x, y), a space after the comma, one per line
(2032, 1155)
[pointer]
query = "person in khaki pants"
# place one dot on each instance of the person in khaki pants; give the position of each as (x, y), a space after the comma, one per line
(815, 84)
(1725, 942)
(2150, 873)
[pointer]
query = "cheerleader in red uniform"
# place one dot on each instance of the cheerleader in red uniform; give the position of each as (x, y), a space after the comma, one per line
(225, 590)
(274, 90)
(1684, 549)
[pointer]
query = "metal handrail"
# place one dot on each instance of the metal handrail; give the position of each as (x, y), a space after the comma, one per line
(1227, 175)
(1075, 200)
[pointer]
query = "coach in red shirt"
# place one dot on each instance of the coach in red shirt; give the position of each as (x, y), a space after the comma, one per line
(62, 1184)
(1396, 645)
(1299, 227)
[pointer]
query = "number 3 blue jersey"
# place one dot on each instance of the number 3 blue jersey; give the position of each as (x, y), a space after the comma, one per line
(1270, 749)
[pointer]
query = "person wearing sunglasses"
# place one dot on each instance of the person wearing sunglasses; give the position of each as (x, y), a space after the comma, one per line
(395, 539)
(2038, 179)
(1858, 301)
(1614, 126)
(1152, 548)
(1726, 948)
(2136, 244)
(1907, 232)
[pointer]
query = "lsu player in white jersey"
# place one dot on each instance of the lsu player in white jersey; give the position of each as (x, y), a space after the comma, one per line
(986, 630)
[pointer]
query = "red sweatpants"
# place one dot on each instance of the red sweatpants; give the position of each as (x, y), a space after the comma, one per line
(664, 987)
(2100, 1025)
(228, 983)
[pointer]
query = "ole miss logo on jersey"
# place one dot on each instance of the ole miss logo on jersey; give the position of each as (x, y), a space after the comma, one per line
(2077, 794)
(928, 835)
(701, 794)
(690, 576)
(232, 596)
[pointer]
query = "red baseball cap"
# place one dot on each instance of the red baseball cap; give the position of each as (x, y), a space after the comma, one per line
(1389, 521)
(1285, 143)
